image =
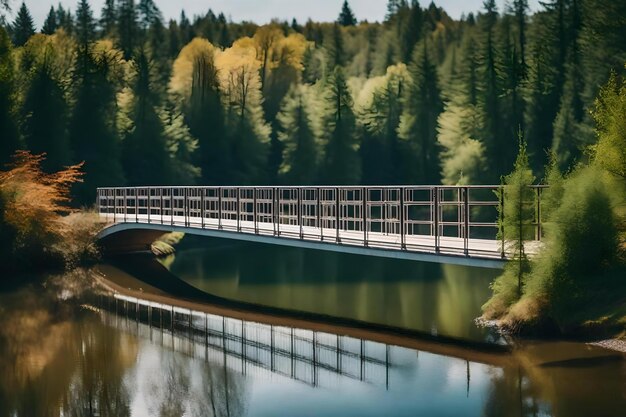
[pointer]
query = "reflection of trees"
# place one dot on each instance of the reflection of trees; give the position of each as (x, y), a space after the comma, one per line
(220, 393)
(98, 388)
(510, 394)
(53, 358)
(35, 364)
(169, 388)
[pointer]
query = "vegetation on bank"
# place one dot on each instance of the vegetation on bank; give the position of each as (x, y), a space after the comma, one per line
(38, 229)
(578, 280)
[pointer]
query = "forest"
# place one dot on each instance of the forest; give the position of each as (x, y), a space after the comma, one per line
(419, 98)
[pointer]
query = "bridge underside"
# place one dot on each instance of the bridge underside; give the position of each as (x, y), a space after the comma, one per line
(136, 237)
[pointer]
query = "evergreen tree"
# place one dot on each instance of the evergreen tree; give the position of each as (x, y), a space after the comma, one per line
(50, 24)
(411, 31)
(182, 147)
(520, 8)
(496, 143)
(380, 144)
(418, 126)
(85, 23)
(145, 155)
(300, 149)
(93, 134)
(23, 27)
(204, 111)
(184, 26)
(346, 17)
(65, 20)
(341, 159)
(333, 43)
(173, 41)
(44, 117)
(149, 14)
(8, 129)
(127, 28)
(108, 18)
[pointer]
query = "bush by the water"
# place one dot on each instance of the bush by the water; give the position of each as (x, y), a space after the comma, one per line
(37, 226)
(579, 276)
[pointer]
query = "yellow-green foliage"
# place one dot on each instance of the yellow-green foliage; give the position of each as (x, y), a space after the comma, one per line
(610, 116)
(517, 215)
(580, 247)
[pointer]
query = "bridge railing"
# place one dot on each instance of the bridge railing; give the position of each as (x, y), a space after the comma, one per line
(455, 220)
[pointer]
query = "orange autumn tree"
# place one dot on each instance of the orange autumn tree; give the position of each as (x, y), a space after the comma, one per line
(33, 209)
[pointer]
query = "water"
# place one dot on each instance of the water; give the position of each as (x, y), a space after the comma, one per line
(69, 350)
(427, 297)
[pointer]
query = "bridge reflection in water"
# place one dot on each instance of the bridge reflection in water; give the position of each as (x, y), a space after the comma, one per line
(313, 357)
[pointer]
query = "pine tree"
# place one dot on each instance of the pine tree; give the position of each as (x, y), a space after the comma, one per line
(145, 157)
(127, 28)
(93, 135)
(333, 43)
(346, 17)
(85, 23)
(418, 126)
(489, 98)
(341, 159)
(411, 31)
(184, 26)
(149, 14)
(50, 24)
(108, 18)
(8, 129)
(300, 149)
(23, 27)
(182, 147)
(173, 40)
(45, 114)
(380, 145)
(520, 8)
(65, 19)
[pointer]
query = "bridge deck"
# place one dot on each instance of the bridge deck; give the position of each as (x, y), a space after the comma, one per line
(479, 252)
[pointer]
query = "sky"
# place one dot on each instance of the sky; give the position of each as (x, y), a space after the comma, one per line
(262, 11)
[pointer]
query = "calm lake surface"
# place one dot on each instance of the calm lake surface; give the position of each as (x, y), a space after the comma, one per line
(67, 349)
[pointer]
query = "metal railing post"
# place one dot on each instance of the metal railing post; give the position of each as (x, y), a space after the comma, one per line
(202, 190)
(172, 206)
(436, 217)
(219, 208)
(114, 205)
(364, 214)
(501, 222)
(299, 212)
(254, 211)
(238, 210)
(466, 220)
(538, 191)
(278, 207)
(274, 194)
(125, 205)
(149, 205)
(186, 207)
(337, 215)
(161, 197)
(318, 212)
(136, 206)
(402, 219)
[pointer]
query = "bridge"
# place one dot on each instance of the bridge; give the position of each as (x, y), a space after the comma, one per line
(450, 224)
